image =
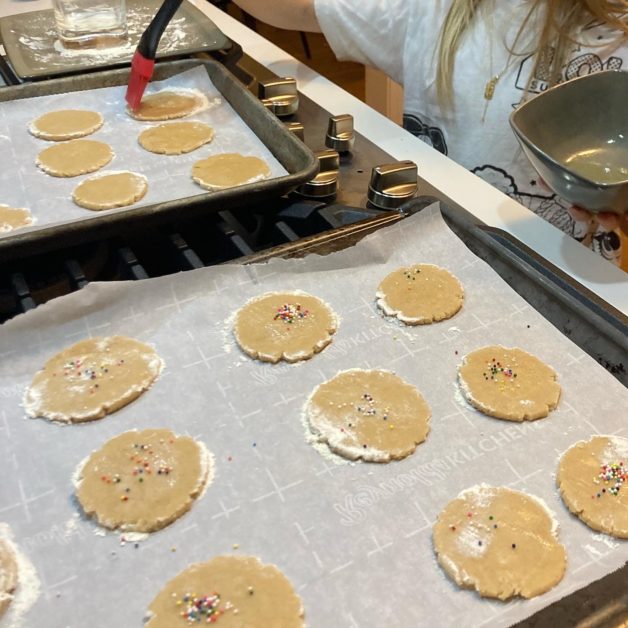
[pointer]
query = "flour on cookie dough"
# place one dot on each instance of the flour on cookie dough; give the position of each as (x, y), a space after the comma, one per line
(593, 482)
(237, 590)
(14, 218)
(288, 326)
(8, 575)
(19, 584)
(169, 104)
(92, 378)
(73, 158)
(176, 138)
(508, 383)
(420, 294)
(110, 190)
(227, 170)
(143, 481)
(373, 416)
(66, 124)
(501, 542)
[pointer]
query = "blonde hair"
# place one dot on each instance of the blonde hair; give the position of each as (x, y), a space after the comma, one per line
(561, 21)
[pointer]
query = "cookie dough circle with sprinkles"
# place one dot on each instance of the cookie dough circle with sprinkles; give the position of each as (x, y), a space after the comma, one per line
(508, 383)
(593, 482)
(92, 378)
(289, 326)
(500, 542)
(143, 481)
(169, 104)
(66, 124)
(230, 591)
(110, 190)
(8, 575)
(420, 294)
(374, 416)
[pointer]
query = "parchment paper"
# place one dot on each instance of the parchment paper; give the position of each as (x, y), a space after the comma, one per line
(354, 539)
(23, 184)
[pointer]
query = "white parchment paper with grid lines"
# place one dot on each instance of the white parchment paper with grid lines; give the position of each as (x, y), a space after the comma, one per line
(23, 184)
(354, 539)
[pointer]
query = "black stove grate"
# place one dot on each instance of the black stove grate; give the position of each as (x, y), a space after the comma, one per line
(187, 245)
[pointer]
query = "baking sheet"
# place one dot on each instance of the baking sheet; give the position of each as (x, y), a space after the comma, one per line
(35, 51)
(354, 539)
(23, 184)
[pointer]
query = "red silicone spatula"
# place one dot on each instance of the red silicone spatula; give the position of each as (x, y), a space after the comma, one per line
(144, 57)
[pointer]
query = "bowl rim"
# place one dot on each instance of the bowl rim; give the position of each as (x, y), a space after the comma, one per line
(514, 125)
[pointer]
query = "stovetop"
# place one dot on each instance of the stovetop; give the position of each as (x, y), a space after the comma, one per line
(214, 238)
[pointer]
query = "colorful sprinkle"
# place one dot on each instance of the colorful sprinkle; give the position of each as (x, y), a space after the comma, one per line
(290, 313)
(613, 475)
(197, 609)
(410, 273)
(495, 368)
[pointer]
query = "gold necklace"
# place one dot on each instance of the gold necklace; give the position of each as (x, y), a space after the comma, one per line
(489, 88)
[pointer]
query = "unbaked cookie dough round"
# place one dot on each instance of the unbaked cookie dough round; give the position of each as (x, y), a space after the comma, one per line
(8, 575)
(176, 138)
(169, 104)
(228, 170)
(143, 481)
(70, 159)
(92, 378)
(233, 591)
(288, 326)
(500, 542)
(110, 190)
(420, 294)
(508, 384)
(14, 218)
(66, 124)
(373, 416)
(593, 482)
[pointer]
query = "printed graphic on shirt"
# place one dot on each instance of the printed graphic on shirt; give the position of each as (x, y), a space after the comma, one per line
(432, 135)
(582, 62)
(553, 209)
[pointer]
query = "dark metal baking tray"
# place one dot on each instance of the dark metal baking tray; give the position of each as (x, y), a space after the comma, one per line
(293, 155)
(34, 51)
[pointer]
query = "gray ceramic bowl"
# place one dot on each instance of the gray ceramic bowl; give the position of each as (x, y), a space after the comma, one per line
(576, 137)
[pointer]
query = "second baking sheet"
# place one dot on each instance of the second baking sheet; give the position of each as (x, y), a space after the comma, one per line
(355, 540)
(23, 184)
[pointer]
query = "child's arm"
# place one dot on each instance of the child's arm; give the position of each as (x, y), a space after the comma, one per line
(296, 15)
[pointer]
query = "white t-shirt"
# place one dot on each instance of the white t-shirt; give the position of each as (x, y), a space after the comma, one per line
(400, 37)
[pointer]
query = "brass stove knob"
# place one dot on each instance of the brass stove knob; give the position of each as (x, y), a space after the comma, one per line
(392, 184)
(340, 133)
(297, 129)
(280, 96)
(325, 183)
